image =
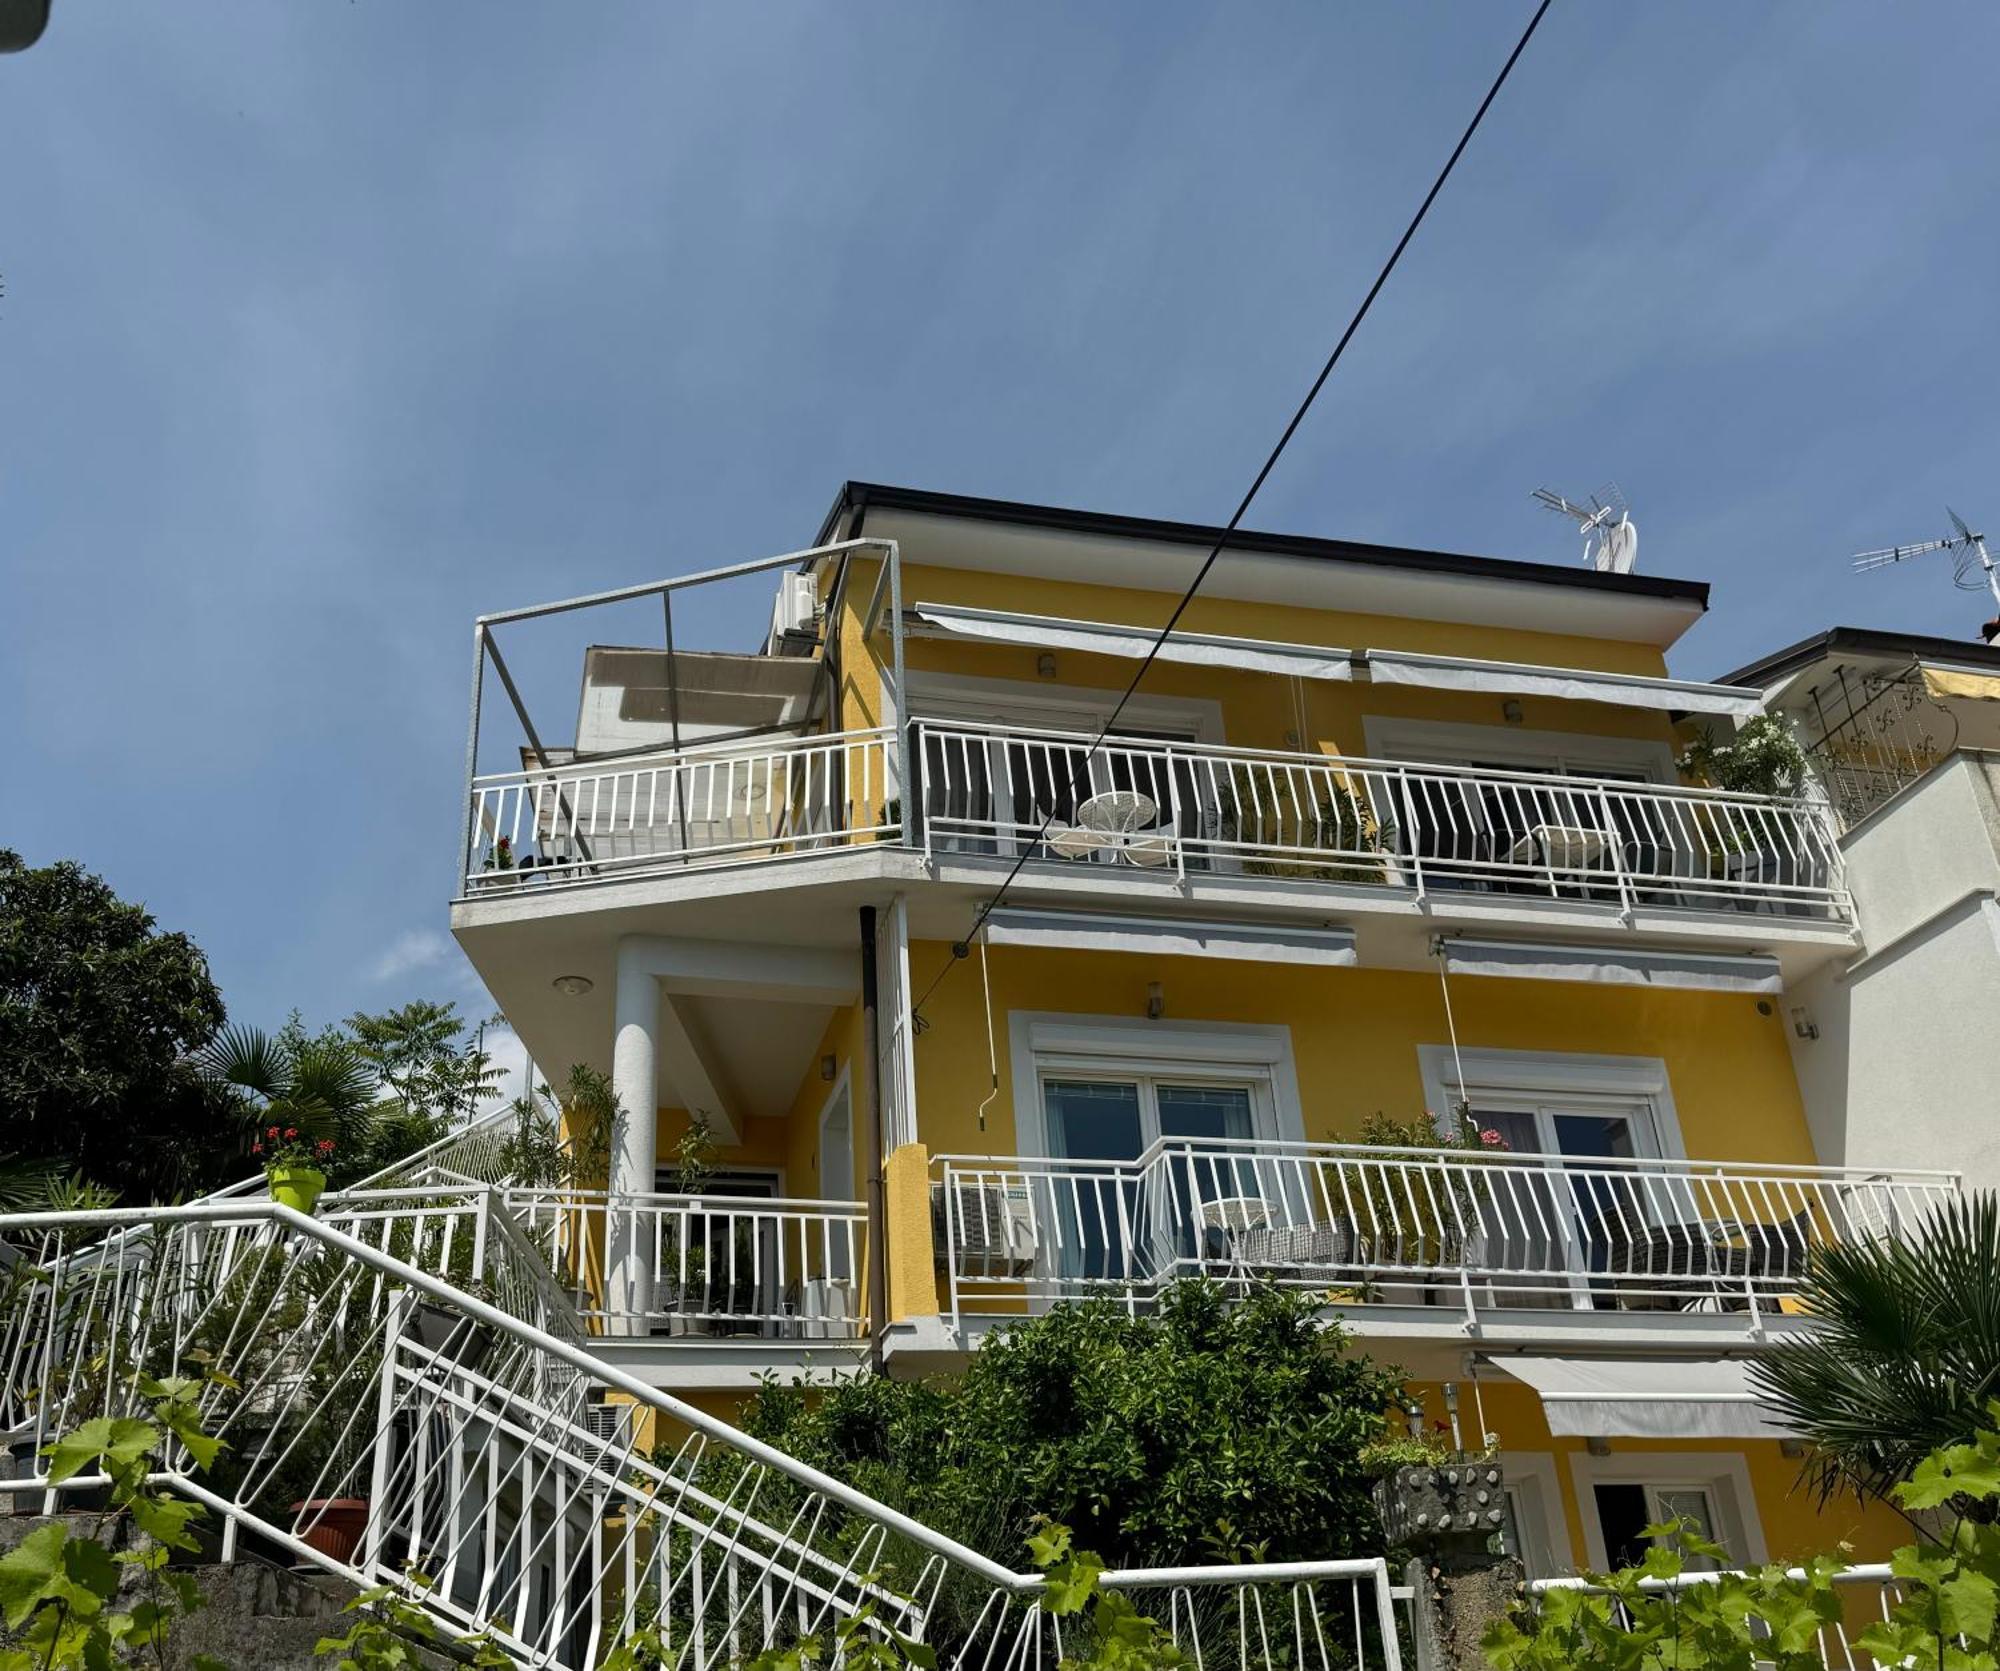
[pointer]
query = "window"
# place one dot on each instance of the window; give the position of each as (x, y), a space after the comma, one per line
(1625, 1510)
(1621, 1495)
(1585, 1213)
(1536, 1528)
(1100, 1092)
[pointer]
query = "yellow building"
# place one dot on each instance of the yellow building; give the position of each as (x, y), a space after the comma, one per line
(1384, 839)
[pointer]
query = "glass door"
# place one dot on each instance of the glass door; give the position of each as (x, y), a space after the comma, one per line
(1092, 1207)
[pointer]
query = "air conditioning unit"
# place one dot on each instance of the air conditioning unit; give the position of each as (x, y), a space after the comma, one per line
(828, 1308)
(610, 1425)
(794, 610)
(989, 1231)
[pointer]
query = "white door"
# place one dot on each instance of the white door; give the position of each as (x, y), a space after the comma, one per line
(836, 1167)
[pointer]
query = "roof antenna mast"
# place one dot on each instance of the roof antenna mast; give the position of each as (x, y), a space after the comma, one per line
(1972, 566)
(1610, 536)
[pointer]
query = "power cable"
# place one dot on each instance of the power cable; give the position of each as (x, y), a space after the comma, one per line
(1079, 778)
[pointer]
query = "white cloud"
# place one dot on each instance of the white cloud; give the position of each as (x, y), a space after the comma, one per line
(420, 948)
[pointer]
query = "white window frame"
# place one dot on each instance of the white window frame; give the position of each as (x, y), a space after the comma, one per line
(1552, 1078)
(1723, 1474)
(1574, 753)
(842, 1087)
(1044, 1044)
(1543, 1528)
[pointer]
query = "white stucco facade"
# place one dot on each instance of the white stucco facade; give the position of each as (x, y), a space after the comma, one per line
(1906, 1068)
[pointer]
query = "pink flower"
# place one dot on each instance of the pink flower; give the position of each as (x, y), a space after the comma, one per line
(1492, 1139)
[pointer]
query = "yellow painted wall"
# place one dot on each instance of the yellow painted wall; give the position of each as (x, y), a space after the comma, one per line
(1355, 1034)
(1259, 709)
(1794, 1523)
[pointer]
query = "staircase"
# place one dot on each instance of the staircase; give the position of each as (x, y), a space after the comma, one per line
(410, 1346)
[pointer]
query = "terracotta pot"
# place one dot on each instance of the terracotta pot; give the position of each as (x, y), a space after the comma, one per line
(297, 1187)
(332, 1525)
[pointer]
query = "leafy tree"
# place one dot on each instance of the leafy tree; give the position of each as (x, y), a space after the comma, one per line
(100, 1011)
(1212, 1430)
(1905, 1357)
(431, 1073)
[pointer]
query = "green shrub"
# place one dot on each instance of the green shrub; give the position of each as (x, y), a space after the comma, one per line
(1215, 1429)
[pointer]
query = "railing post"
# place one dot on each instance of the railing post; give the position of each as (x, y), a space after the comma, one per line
(382, 1469)
(1415, 853)
(1614, 849)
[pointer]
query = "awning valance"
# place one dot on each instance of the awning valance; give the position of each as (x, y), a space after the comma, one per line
(1647, 1398)
(1612, 966)
(1959, 682)
(1571, 684)
(1315, 661)
(1100, 638)
(1164, 937)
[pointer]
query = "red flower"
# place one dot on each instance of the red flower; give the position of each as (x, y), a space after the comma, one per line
(325, 1146)
(271, 1131)
(256, 1148)
(291, 1131)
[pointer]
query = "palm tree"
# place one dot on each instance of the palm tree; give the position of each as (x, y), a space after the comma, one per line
(320, 1086)
(1905, 1357)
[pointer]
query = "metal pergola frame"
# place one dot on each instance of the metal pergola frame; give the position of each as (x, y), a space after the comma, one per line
(485, 647)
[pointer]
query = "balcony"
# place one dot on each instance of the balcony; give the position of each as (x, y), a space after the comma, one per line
(713, 1267)
(1133, 808)
(1477, 1232)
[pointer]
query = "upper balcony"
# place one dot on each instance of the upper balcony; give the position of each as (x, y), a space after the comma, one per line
(1313, 821)
(940, 739)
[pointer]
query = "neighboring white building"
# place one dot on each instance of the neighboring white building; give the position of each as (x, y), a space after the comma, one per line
(1891, 1047)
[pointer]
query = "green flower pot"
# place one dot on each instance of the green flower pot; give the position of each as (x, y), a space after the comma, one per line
(297, 1187)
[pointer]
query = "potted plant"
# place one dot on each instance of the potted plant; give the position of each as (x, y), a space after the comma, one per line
(1427, 1231)
(1763, 758)
(292, 1164)
(1340, 823)
(500, 861)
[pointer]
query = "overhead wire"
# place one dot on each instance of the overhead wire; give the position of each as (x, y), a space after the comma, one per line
(1079, 779)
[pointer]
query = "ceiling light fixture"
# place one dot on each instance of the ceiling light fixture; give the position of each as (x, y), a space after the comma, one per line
(572, 986)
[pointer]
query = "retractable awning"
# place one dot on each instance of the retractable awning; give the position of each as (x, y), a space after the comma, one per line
(1962, 682)
(1574, 684)
(1163, 937)
(1315, 661)
(1611, 966)
(1646, 1398)
(1100, 638)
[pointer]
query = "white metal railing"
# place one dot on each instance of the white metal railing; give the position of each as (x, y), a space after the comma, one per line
(498, 1503)
(1311, 817)
(705, 1265)
(1867, 1593)
(726, 803)
(1468, 1229)
(480, 1151)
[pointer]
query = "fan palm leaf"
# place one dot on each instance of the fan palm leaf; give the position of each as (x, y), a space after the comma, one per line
(1905, 1354)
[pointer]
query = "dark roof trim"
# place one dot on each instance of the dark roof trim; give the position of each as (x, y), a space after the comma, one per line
(856, 497)
(1862, 641)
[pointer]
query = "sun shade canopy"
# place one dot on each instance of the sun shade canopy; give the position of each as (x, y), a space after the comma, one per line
(1247, 942)
(1647, 1398)
(1099, 638)
(1609, 966)
(1313, 661)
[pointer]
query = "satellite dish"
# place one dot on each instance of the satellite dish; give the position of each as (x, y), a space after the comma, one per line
(1972, 568)
(1610, 536)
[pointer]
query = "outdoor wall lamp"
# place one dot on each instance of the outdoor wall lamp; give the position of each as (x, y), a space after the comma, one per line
(1156, 1000)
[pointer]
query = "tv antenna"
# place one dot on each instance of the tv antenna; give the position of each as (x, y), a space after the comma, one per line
(1971, 565)
(1610, 536)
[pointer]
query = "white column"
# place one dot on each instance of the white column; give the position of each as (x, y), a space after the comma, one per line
(635, 1059)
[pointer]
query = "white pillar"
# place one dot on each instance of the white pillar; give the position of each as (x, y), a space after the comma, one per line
(635, 1066)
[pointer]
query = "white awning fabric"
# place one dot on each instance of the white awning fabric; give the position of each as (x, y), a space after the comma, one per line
(1099, 638)
(1646, 1398)
(1163, 937)
(1608, 966)
(1574, 684)
(1317, 661)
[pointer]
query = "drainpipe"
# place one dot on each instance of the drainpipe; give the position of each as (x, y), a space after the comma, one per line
(869, 1076)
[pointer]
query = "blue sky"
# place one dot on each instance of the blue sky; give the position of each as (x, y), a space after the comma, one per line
(328, 326)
